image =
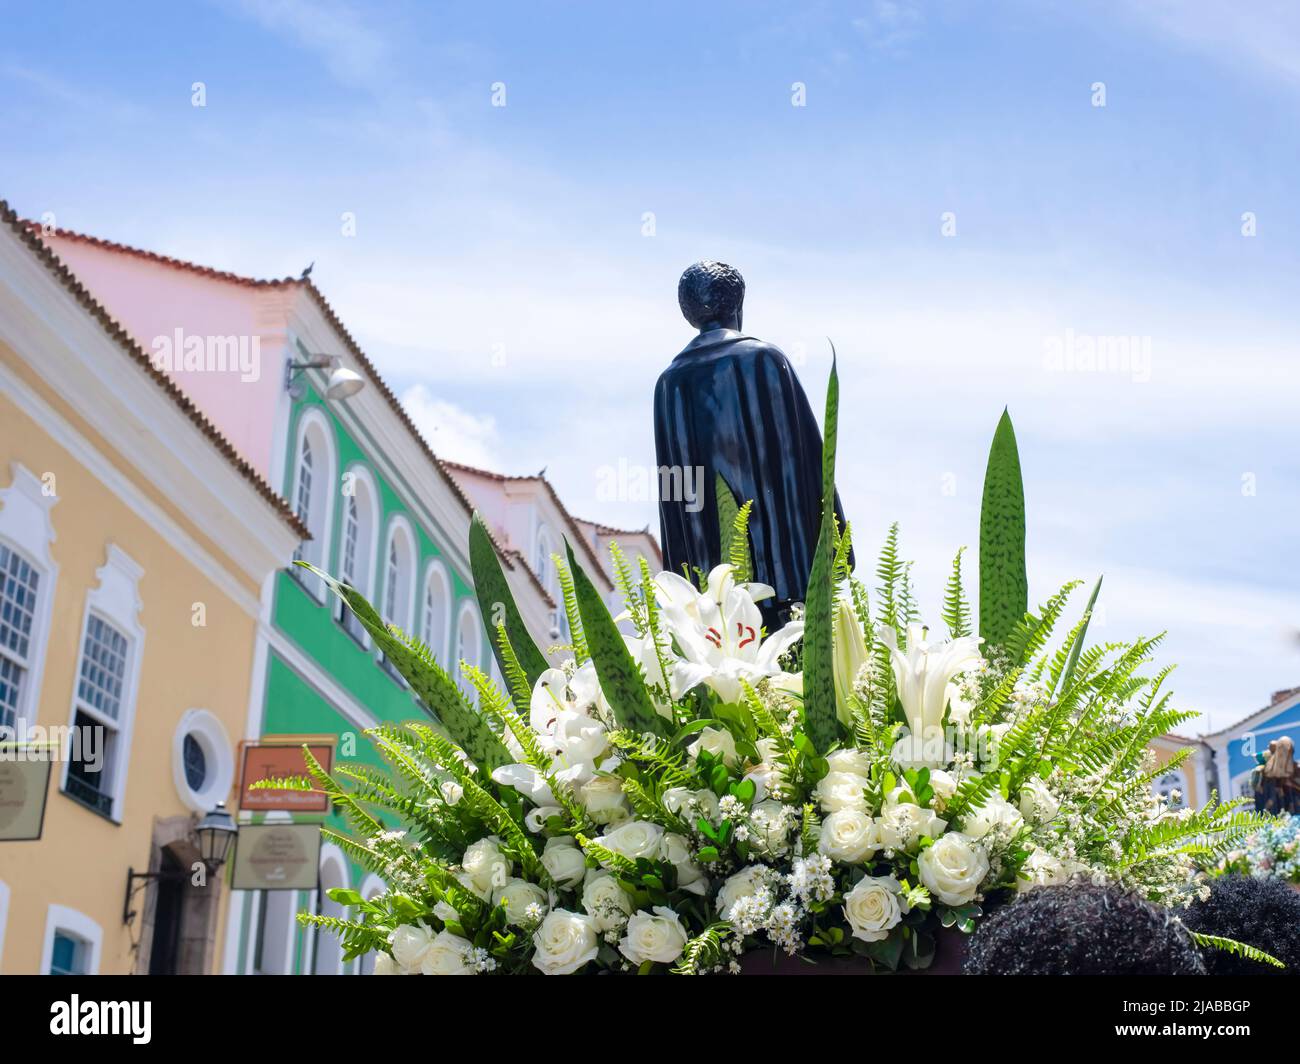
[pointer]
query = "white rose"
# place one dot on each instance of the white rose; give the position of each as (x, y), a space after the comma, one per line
(716, 741)
(841, 790)
(850, 836)
(604, 799)
(676, 850)
(659, 937)
(564, 862)
(636, 838)
(451, 791)
(1041, 869)
(385, 965)
(606, 902)
(953, 868)
(943, 784)
(741, 885)
(691, 804)
(854, 762)
(995, 813)
(485, 867)
(409, 943)
(1038, 804)
(448, 955)
(564, 942)
(517, 896)
(873, 906)
(902, 826)
(535, 819)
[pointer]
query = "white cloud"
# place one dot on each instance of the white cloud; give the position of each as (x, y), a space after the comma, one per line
(453, 433)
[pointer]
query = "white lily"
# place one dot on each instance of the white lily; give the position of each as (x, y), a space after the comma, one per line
(719, 632)
(923, 673)
(850, 654)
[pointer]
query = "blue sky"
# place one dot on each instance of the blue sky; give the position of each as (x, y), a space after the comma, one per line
(502, 279)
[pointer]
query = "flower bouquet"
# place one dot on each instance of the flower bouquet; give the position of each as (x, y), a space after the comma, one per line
(689, 788)
(1273, 849)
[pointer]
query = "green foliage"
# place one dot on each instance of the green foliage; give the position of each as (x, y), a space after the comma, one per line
(704, 951)
(577, 636)
(820, 718)
(733, 527)
(497, 604)
(1004, 581)
(1231, 945)
(431, 684)
(956, 610)
(619, 675)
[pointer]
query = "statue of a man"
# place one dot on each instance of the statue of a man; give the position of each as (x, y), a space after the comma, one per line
(731, 405)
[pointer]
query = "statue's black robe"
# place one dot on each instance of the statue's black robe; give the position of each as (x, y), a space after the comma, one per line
(731, 404)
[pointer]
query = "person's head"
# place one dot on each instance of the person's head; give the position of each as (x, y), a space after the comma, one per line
(1261, 912)
(712, 296)
(1081, 929)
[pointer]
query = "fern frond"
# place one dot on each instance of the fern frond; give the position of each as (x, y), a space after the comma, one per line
(956, 610)
(565, 577)
(704, 951)
(1231, 945)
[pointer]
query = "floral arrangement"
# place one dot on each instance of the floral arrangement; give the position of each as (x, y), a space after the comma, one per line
(692, 787)
(1273, 849)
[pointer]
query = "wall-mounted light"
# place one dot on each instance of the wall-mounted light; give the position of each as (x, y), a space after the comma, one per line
(216, 831)
(343, 383)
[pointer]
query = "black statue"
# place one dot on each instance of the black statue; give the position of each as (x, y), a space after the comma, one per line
(730, 404)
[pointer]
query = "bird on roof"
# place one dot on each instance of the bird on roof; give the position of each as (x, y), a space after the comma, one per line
(542, 471)
(307, 272)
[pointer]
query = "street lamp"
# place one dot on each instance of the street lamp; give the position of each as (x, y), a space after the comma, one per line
(216, 831)
(343, 383)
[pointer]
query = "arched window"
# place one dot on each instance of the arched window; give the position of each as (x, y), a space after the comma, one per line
(356, 564)
(329, 947)
(543, 565)
(313, 493)
(435, 611)
(371, 888)
(397, 603)
(469, 644)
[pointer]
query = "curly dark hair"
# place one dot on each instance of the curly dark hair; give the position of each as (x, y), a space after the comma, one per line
(709, 292)
(1264, 913)
(1081, 929)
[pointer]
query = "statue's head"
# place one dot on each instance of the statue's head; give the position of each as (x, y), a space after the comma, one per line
(712, 295)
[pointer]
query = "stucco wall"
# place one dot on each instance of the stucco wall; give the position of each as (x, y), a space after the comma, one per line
(81, 861)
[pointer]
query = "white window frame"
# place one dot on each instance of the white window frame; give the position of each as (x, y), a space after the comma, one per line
(218, 754)
(399, 525)
(324, 473)
(435, 570)
(27, 527)
(117, 601)
(333, 873)
(366, 493)
(467, 610)
(78, 924)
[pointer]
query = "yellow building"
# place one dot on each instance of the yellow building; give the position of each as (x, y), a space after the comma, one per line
(136, 552)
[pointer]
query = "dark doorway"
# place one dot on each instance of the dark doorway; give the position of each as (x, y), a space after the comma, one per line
(169, 900)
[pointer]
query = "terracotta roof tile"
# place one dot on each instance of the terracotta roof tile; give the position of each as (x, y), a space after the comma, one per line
(511, 559)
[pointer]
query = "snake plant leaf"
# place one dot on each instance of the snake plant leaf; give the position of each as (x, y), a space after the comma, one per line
(618, 674)
(497, 605)
(818, 639)
(1004, 581)
(430, 682)
(1067, 673)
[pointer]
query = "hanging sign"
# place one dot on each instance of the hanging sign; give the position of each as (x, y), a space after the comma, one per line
(24, 787)
(279, 759)
(276, 857)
